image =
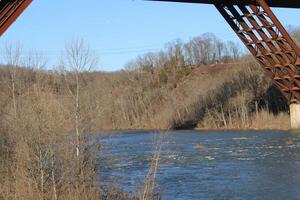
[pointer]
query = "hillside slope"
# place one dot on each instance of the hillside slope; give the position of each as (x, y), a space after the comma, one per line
(232, 95)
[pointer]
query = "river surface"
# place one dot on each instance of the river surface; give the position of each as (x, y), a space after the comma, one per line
(235, 165)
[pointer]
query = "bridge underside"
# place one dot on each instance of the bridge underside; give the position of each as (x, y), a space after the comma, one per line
(266, 38)
(272, 3)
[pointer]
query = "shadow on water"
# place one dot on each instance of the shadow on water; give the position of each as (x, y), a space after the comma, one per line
(233, 165)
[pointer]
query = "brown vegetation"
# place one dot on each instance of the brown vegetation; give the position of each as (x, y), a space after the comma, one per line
(45, 115)
(45, 149)
(204, 83)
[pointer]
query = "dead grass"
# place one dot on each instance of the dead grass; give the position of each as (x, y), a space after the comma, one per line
(268, 121)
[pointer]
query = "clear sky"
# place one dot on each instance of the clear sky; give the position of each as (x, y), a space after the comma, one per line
(118, 30)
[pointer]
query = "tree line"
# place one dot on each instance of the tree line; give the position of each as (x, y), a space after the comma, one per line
(47, 116)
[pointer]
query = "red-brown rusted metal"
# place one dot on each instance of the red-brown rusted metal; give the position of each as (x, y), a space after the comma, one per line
(272, 3)
(268, 41)
(10, 10)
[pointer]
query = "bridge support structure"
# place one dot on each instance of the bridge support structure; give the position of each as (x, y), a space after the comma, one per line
(271, 45)
(295, 115)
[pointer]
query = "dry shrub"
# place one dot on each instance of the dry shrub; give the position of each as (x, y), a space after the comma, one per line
(266, 120)
(234, 102)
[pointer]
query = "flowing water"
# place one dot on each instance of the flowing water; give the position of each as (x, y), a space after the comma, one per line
(234, 165)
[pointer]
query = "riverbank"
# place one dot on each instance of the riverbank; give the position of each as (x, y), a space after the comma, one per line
(259, 121)
(156, 91)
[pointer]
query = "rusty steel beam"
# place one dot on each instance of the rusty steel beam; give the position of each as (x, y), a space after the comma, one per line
(268, 41)
(272, 3)
(10, 10)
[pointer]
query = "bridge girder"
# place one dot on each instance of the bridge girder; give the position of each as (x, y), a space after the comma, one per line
(272, 3)
(10, 10)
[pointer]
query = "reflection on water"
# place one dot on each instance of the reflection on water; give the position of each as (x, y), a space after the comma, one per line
(234, 165)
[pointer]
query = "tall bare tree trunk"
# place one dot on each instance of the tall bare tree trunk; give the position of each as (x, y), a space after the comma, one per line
(12, 55)
(54, 186)
(78, 58)
(13, 91)
(77, 114)
(41, 173)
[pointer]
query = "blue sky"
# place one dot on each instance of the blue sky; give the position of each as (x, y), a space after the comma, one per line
(118, 30)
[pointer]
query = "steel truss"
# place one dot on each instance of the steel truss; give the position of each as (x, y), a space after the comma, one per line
(10, 11)
(269, 42)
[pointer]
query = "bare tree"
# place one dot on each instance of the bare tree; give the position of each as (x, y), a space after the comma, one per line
(12, 56)
(220, 48)
(78, 58)
(234, 50)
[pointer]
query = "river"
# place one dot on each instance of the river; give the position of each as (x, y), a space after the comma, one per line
(260, 165)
